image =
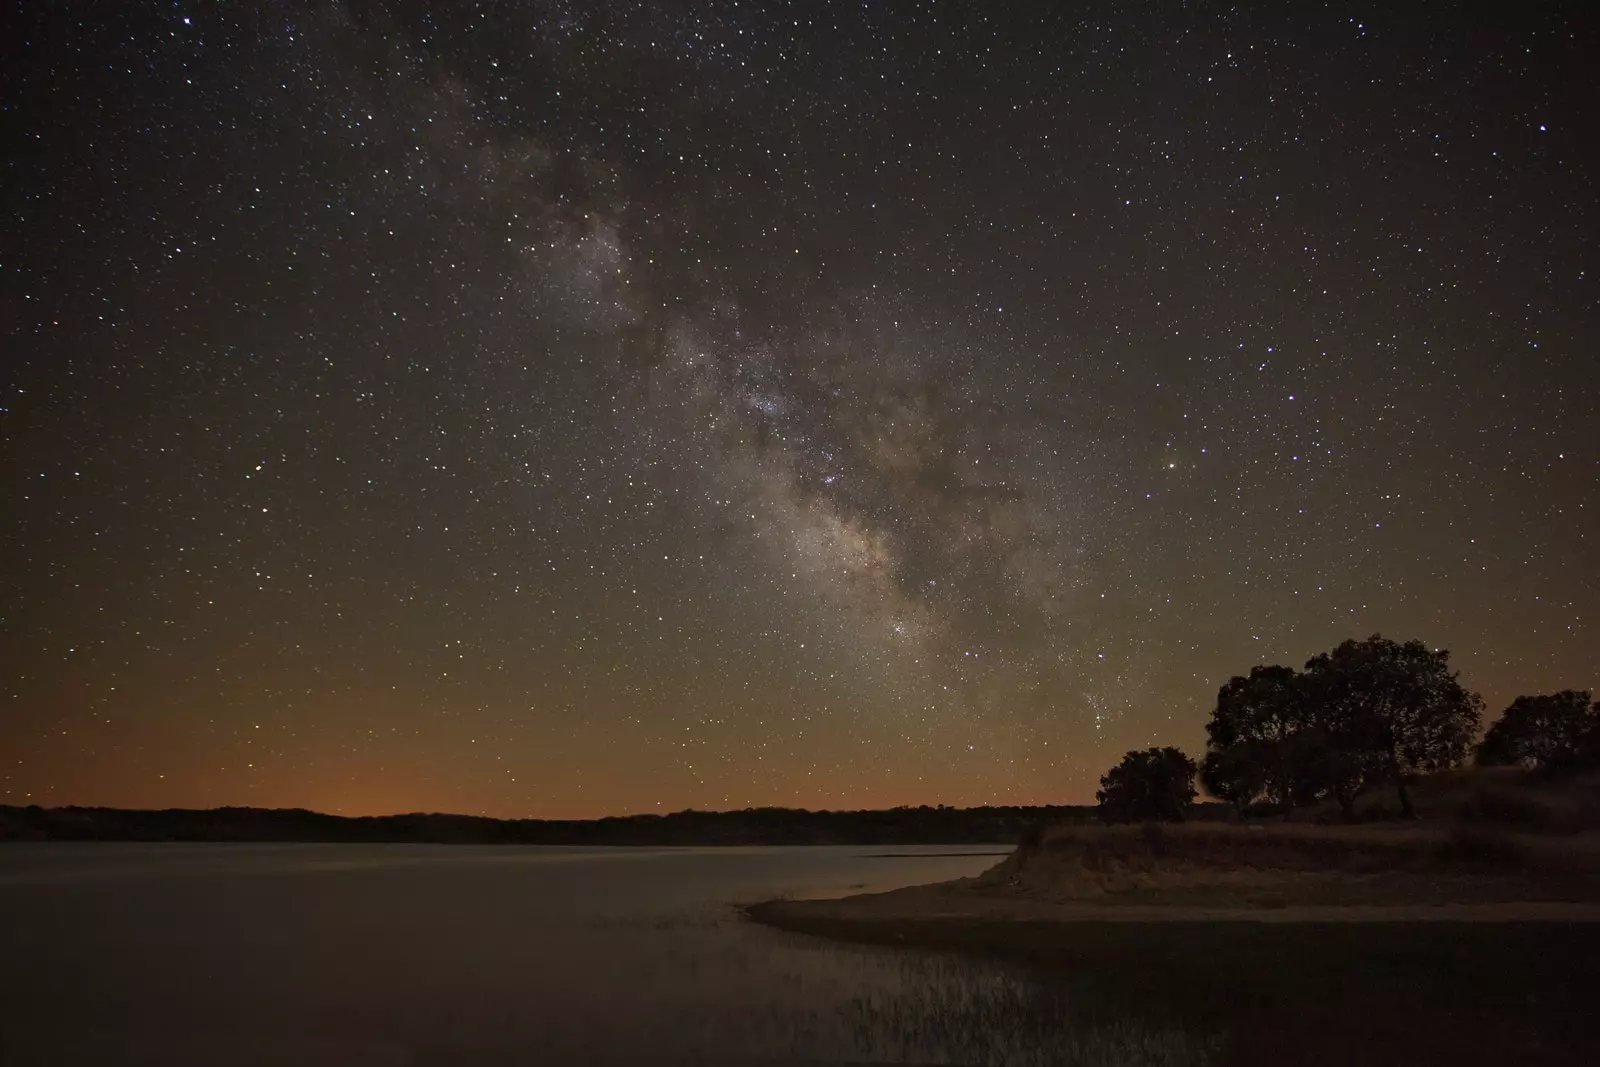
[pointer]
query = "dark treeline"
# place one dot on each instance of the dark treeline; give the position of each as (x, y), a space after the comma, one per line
(755, 826)
(1368, 715)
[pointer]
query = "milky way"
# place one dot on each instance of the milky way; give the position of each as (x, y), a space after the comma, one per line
(560, 409)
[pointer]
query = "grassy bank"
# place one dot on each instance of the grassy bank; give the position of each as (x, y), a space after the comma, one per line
(1286, 865)
(1280, 873)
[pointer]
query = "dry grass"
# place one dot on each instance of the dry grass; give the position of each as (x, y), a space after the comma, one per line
(1528, 802)
(1282, 863)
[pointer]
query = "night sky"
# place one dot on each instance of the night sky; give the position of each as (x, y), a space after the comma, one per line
(561, 408)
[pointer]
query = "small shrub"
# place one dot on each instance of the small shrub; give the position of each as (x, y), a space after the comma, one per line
(1156, 783)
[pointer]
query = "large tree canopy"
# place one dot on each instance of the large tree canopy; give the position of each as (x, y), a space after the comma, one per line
(1369, 712)
(1390, 709)
(1254, 750)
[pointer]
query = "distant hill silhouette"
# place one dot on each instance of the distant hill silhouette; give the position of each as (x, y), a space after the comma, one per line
(752, 826)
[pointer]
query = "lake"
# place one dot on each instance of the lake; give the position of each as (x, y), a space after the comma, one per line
(413, 954)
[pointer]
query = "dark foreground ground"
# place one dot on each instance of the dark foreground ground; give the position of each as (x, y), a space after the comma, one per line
(1462, 993)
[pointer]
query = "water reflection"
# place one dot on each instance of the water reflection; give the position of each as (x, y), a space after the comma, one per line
(408, 955)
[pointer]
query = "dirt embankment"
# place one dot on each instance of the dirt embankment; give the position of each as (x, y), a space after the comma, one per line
(1278, 872)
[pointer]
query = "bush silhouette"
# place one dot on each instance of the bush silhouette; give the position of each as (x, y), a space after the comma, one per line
(1155, 784)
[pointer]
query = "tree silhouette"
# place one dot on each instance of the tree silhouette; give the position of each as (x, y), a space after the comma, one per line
(1540, 731)
(1157, 783)
(1384, 710)
(1269, 741)
(1255, 747)
(1236, 774)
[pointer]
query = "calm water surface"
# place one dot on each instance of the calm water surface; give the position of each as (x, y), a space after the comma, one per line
(401, 954)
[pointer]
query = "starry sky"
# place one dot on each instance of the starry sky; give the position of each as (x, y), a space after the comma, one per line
(561, 408)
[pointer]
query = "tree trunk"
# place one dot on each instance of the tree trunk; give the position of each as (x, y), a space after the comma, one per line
(1347, 805)
(1406, 810)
